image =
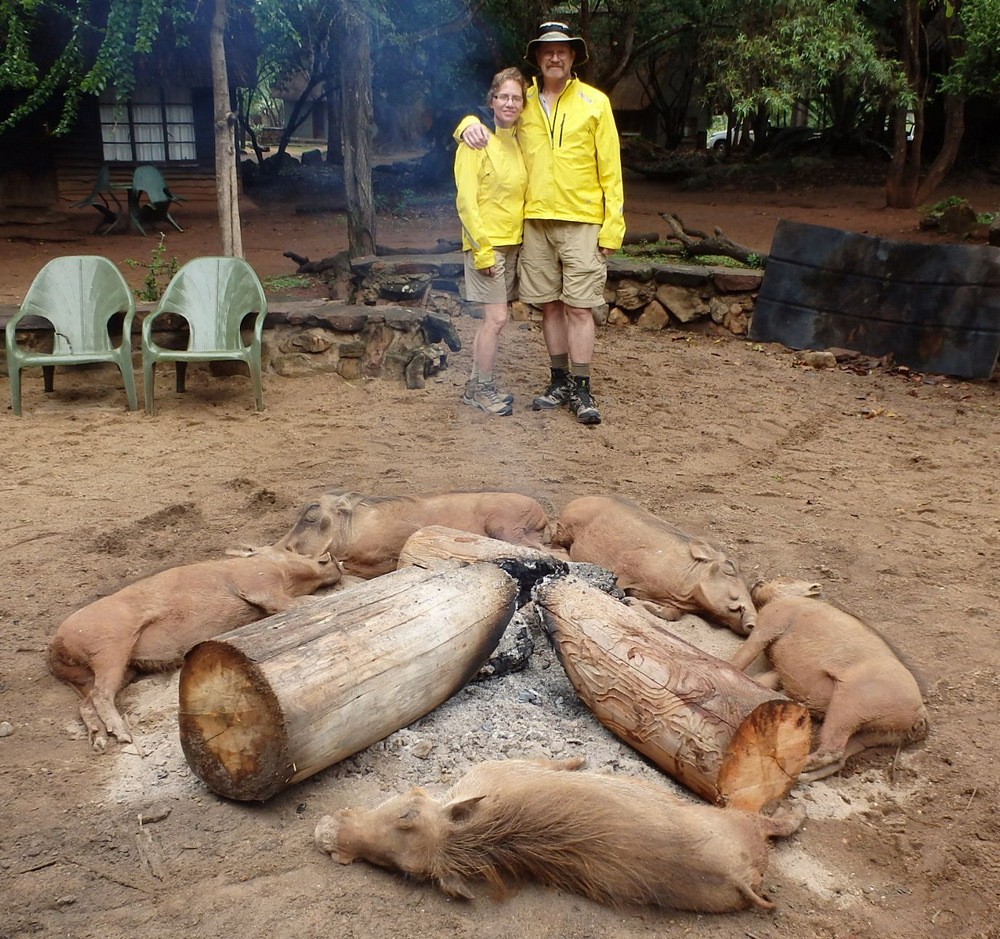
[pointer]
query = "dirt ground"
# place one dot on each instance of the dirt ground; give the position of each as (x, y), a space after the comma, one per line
(879, 484)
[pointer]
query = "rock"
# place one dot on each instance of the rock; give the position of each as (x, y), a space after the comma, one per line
(958, 219)
(735, 281)
(312, 341)
(825, 359)
(683, 275)
(654, 317)
(154, 813)
(618, 317)
(520, 312)
(685, 305)
(6, 728)
(632, 295)
(300, 364)
(422, 749)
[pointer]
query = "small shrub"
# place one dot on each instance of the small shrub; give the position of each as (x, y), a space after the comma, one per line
(159, 270)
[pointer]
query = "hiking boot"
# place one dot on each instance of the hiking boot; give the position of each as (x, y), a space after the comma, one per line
(582, 405)
(556, 395)
(487, 398)
(505, 396)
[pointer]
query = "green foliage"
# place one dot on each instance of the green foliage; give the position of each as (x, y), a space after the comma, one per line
(278, 283)
(976, 70)
(770, 55)
(97, 47)
(159, 271)
(938, 209)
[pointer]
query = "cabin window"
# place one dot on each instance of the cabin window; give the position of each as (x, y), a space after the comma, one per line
(154, 127)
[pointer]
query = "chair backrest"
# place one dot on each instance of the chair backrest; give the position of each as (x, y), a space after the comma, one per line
(103, 183)
(214, 295)
(149, 179)
(78, 294)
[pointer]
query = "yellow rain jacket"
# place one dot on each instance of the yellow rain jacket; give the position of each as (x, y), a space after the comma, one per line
(491, 186)
(574, 160)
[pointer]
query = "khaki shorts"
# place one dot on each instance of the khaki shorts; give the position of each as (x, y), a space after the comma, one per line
(561, 261)
(499, 289)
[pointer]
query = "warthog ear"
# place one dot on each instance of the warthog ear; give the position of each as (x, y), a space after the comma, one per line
(814, 590)
(701, 550)
(462, 809)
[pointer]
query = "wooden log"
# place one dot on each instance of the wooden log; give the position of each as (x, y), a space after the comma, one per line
(265, 706)
(716, 730)
(435, 546)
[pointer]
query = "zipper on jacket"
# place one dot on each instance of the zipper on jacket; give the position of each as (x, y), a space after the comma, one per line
(555, 116)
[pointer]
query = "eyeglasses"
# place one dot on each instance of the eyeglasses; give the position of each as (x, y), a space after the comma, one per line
(509, 99)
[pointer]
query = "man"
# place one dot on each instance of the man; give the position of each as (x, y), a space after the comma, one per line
(573, 211)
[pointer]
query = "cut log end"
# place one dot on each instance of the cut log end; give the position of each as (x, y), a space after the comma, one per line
(765, 756)
(231, 726)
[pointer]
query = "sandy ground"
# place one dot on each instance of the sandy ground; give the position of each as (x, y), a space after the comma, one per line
(881, 485)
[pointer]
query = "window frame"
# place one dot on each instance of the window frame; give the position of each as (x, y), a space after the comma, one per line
(173, 114)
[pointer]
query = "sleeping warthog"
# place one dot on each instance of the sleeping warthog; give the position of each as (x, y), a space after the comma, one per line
(612, 839)
(668, 572)
(148, 626)
(838, 667)
(366, 533)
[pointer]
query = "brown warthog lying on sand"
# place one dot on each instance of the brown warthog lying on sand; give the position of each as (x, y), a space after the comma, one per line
(668, 572)
(610, 838)
(366, 533)
(838, 667)
(149, 625)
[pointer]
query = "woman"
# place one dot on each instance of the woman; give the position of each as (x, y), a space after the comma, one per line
(491, 185)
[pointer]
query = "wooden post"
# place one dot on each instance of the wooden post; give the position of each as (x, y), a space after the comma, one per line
(269, 704)
(730, 739)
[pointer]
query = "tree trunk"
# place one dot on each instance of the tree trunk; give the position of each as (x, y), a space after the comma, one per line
(269, 704)
(904, 187)
(730, 739)
(954, 130)
(226, 177)
(357, 121)
(904, 170)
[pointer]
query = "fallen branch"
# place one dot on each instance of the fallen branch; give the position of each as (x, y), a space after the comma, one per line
(698, 243)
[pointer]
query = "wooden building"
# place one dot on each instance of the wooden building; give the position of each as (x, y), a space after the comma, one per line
(168, 121)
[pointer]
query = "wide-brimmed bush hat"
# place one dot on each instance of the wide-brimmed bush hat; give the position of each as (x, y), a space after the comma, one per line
(556, 32)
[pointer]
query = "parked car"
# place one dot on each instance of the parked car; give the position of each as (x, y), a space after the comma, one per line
(718, 141)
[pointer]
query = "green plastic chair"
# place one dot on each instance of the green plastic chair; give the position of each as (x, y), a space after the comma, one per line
(101, 197)
(214, 295)
(78, 295)
(149, 180)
